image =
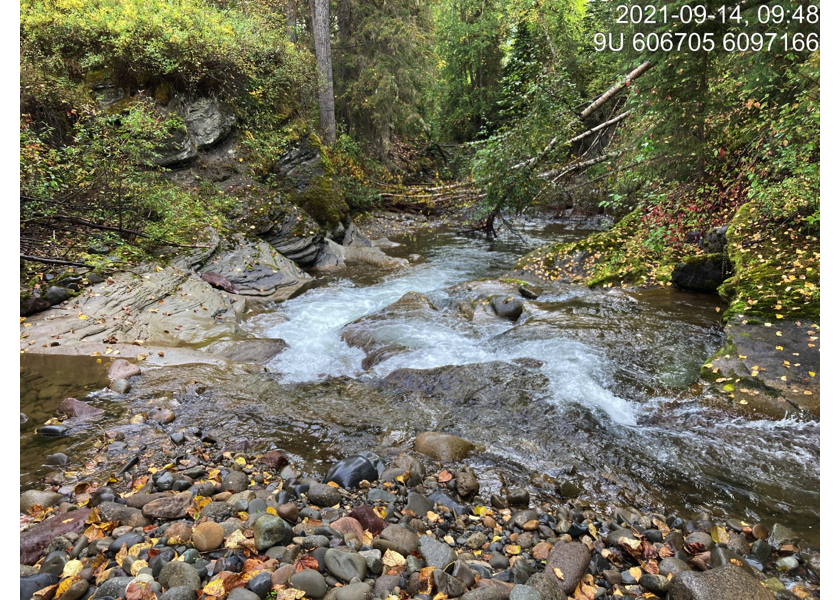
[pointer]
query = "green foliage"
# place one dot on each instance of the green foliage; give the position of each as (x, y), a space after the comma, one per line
(383, 64)
(470, 35)
(106, 176)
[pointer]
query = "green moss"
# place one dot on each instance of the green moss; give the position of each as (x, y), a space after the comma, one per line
(776, 269)
(324, 201)
(163, 93)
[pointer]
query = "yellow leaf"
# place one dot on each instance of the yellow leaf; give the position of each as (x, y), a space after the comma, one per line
(636, 572)
(65, 585)
(121, 555)
(72, 568)
(235, 539)
(812, 374)
(270, 510)
(137, 565)
(83, 317)
(215, 588)
(559, 574)
(333, 484)
(393, 559)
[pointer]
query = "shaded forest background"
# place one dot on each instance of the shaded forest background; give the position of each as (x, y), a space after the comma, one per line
(490, 107)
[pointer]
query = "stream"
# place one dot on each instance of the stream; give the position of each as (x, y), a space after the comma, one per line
(598, 388)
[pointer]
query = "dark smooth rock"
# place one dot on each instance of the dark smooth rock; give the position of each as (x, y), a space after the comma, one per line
(271, 531)
(377, 495)
(368, 519)
(178, 593)
(484, 593)
(419, 504)
(444, 499)
(724, 556)
(782, 536)
(311, 582)
(507, 308)
(114, 587)
(726, 583)
(354, 591)
(56, 295)
(701, 538)
(345, 565)
(235, 481)
(654, 583)
(447, 584)
(321, 494)
(436, 554)
(349, 471)
(547, 586)
(673, 565)
(260, 584)
(129, 539)
(33, 583)
(53, 430)
(385, 586)
(572, 559)
(518, 497)
(32, 305)
(177, 573)
(617, 534)
(169, 507)
(405, 540)
(700, 276)
(54, 563)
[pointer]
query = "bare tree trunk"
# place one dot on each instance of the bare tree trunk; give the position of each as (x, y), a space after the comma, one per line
(326, 99)
(291, 20)
(615, 89)
(345, 33)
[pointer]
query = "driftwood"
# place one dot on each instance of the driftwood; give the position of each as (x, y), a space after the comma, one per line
(51, 261)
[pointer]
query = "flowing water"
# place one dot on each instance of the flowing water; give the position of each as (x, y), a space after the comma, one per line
(597, 387)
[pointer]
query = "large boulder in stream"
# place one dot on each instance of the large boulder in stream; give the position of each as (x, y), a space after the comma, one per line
(497, 384)
(294, 234)
(170, 306)
(702, 274)
(382, 334)
(256, 270)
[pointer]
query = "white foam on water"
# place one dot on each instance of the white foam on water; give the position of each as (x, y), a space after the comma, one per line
(576, 373)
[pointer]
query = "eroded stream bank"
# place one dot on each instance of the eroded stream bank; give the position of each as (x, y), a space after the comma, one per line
(596, 388)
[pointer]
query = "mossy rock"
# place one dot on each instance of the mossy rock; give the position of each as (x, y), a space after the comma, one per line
(323, 199)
